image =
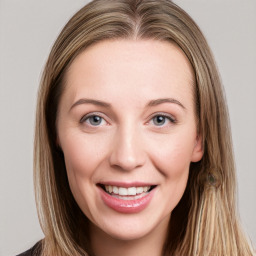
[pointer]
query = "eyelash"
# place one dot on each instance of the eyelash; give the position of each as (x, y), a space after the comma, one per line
(86, 117)
(166, 117)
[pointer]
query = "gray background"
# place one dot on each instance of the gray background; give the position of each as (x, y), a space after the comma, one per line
(28, 28)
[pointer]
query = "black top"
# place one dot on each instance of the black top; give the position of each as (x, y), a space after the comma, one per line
(34, 251)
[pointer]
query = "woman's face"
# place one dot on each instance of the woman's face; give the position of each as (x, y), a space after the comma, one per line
(127, 128)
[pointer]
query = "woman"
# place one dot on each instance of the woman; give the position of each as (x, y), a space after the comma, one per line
(133, 151)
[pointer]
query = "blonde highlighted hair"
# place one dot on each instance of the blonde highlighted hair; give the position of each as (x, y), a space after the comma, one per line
(205, 222)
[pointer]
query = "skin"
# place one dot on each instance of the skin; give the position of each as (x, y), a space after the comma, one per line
(128, 144)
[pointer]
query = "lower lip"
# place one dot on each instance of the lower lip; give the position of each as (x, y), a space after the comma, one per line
(126, 206)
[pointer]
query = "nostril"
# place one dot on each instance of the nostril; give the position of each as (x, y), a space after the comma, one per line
(126, 163)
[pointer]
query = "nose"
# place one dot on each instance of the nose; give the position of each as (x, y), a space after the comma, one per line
(127, 153)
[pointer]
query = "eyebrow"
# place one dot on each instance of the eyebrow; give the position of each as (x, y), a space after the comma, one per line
(165, 100)
(91, 101)
(108, 105)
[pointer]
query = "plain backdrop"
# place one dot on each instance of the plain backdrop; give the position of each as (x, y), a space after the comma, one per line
(28, 29)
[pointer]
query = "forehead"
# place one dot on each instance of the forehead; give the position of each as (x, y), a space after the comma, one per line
(129, 68)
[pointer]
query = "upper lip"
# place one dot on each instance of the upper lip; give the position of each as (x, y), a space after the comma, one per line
(126, 184)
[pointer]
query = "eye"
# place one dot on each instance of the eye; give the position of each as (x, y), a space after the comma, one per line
(162, 120)
(93, 120)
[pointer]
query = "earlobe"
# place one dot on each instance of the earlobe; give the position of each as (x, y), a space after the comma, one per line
(198, 150)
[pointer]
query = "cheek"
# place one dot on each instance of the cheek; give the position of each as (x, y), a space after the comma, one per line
(173, 160)
(82, 158)
(173, 156)
(83, 154)
(174, 164)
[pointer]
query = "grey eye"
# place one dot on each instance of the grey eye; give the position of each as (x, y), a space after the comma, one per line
(94, 120)
(159, 120)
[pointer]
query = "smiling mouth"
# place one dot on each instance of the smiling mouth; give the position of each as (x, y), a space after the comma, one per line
(126, 198)
(127, 193)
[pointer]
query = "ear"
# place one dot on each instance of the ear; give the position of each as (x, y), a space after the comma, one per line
(198, 150)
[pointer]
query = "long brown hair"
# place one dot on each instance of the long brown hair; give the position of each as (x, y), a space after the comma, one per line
(205, 221)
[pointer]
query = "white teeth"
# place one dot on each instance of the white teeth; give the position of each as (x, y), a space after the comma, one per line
(115, 190)
(123, 191)
(139, 190)
(131, 191)
(145, 189)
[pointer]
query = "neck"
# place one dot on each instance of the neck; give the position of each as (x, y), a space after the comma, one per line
(149, 245)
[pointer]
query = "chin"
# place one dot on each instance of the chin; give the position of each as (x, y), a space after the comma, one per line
(128, 227)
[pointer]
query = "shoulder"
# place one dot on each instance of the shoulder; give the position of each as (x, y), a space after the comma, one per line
(34, 251)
